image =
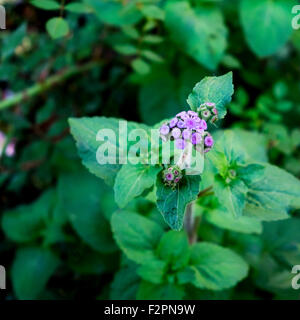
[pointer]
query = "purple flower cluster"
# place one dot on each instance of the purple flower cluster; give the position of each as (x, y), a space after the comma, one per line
(187, 126)
(172, 176)
(208, 112)
(10, 148)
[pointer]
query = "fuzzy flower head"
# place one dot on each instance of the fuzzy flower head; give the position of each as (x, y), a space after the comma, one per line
(172, 176)
(10, 149)
(183, 127)
(208, 112)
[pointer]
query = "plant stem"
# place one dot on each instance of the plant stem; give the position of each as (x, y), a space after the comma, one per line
(191, 223)
(39, 88)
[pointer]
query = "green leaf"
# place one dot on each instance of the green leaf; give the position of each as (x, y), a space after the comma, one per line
(125, 283)
(174, 249)
(266, 24)
(114, 12)
(140, 66)
(137, 236)
(213, 89)
(172, 203)
(206, 40)
(13, 41)
(152, 11)
(152, 56)
(46, 4)
(232, 196)
(272, 196)
(126, 49)
(84, 206)
(213, 267)
(221, 218)
(85, 130)
(282, 239)
(78, 7)
(132, 180)
(27, 222)
(57, 27)
(152, 39)
(153, 271)
(31, 270)
(165, 291)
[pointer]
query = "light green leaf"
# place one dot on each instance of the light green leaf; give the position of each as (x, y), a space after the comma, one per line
(136, 235)
(152, 39)
(232, 196)
(152, 11)
(213, 267)
(57, 27)
(153, 271)
(46, 4)
(140, 66)
(132, 180)
(85, 130)
(221, 218)
(115, 12)
(174, 249)
(213, 89)
(152, 56)
(165, 291)
(126, 49)
(172, 202)
(31, 270)
(266, 24)
(206, 40)
(271, 197)
(83, 203)
(78, 7)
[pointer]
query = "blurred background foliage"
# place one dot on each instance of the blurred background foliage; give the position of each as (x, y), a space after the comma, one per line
(137, 60)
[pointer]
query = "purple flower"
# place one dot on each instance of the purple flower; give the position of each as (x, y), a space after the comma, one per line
(215, 111)
(196, 138)
(180, 114)
(186, 134)
(176, 180)
(164, 129)
(10, 149)
(210, 104)
(214, 119)
(185, 116)
(197, 119)
(206, 114)
(207, 150)
(173, 122)
(202, 125)
(180, 144)
(180, 124)
(169, 176)
(209, 141)
(192, 113)
(176, 173)
(190, 123)
(176, 133)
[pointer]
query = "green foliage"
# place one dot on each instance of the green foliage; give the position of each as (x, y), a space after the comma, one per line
(75, 222)
(32, 263)
(57, 28)
(213, 267)
(276, 19)
(213, 89)
(206, 42)
(172, 203)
